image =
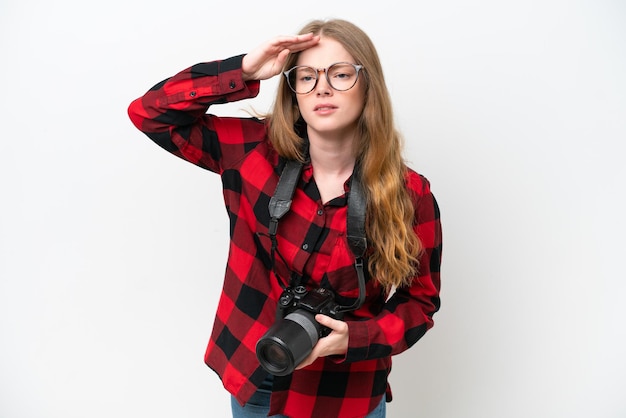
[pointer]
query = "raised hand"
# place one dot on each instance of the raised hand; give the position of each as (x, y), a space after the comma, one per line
(267, 59)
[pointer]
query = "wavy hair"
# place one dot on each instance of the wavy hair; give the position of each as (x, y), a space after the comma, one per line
(393, 245)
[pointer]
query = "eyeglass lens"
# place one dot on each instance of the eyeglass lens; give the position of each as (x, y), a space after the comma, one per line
(340, 76)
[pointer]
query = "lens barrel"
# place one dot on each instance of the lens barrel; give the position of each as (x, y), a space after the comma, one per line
(288, 342)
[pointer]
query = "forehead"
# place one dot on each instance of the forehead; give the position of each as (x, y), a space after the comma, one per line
(326, 52)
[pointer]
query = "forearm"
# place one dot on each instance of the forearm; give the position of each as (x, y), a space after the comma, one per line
(173, 114)
(397, 328)
(182, 99)
(408, 314)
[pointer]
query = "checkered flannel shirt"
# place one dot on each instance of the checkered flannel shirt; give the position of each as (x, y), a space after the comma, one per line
(311, 242)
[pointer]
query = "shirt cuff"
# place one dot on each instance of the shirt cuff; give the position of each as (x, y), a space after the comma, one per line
(231, 78)
(358, 341)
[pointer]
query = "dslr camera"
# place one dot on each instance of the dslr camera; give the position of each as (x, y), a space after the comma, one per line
(294, 334)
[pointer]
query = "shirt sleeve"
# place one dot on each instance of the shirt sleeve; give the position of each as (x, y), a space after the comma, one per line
(173, 114)
(408, 313)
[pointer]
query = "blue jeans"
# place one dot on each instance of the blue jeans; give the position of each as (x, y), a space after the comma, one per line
(259, 405)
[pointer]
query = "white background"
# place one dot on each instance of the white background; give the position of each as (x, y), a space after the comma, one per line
(112, 251)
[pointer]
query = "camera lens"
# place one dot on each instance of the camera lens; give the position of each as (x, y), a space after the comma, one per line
(288, 342)
(276, 356)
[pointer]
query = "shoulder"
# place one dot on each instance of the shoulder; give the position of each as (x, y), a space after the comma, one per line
(425, 204)
(417, 183)
(239, 127)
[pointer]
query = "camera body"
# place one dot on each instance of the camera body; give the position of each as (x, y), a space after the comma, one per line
(294, 334)
(317, 301)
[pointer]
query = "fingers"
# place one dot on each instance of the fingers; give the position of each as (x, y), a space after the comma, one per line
(306, 362)
(336, 343)
(281, 58)
(268, 59)
(295, 43)
(334, 324)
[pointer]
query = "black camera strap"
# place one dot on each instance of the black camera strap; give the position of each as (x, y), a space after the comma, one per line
(356, 234)
(280, 204)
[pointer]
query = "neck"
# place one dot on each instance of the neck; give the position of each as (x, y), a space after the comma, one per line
(333, 162)
(332, 157)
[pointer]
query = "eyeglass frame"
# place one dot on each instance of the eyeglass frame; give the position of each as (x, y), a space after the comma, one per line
(357, 67)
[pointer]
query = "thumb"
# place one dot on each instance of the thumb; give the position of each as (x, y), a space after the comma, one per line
(282, 57)
(329, 322)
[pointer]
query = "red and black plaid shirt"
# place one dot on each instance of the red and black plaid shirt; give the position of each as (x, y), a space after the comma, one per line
(311, 242)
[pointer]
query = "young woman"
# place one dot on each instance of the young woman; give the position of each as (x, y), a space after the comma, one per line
(333, 116)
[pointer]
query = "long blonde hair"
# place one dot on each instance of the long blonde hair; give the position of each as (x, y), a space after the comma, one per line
(394, 247)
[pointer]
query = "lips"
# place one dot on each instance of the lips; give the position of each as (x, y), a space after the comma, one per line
(324, 107)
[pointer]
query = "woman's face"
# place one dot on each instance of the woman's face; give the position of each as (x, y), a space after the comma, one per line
(329, 112)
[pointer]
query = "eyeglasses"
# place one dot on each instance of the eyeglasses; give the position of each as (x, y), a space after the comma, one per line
(341, 76)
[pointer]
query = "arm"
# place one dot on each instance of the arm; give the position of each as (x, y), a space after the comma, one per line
(173, 112)
(408, 314)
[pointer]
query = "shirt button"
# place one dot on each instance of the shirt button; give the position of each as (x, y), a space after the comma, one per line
(320, 212)
(192, 94)
(305, 246)
(232, 85)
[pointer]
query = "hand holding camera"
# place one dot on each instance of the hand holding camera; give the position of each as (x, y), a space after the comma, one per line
(336, 343)
(290, 341)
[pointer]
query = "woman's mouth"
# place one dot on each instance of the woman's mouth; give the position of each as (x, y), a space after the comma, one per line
(324, 108)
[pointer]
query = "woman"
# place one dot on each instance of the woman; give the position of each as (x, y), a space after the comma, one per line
(332, 114)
